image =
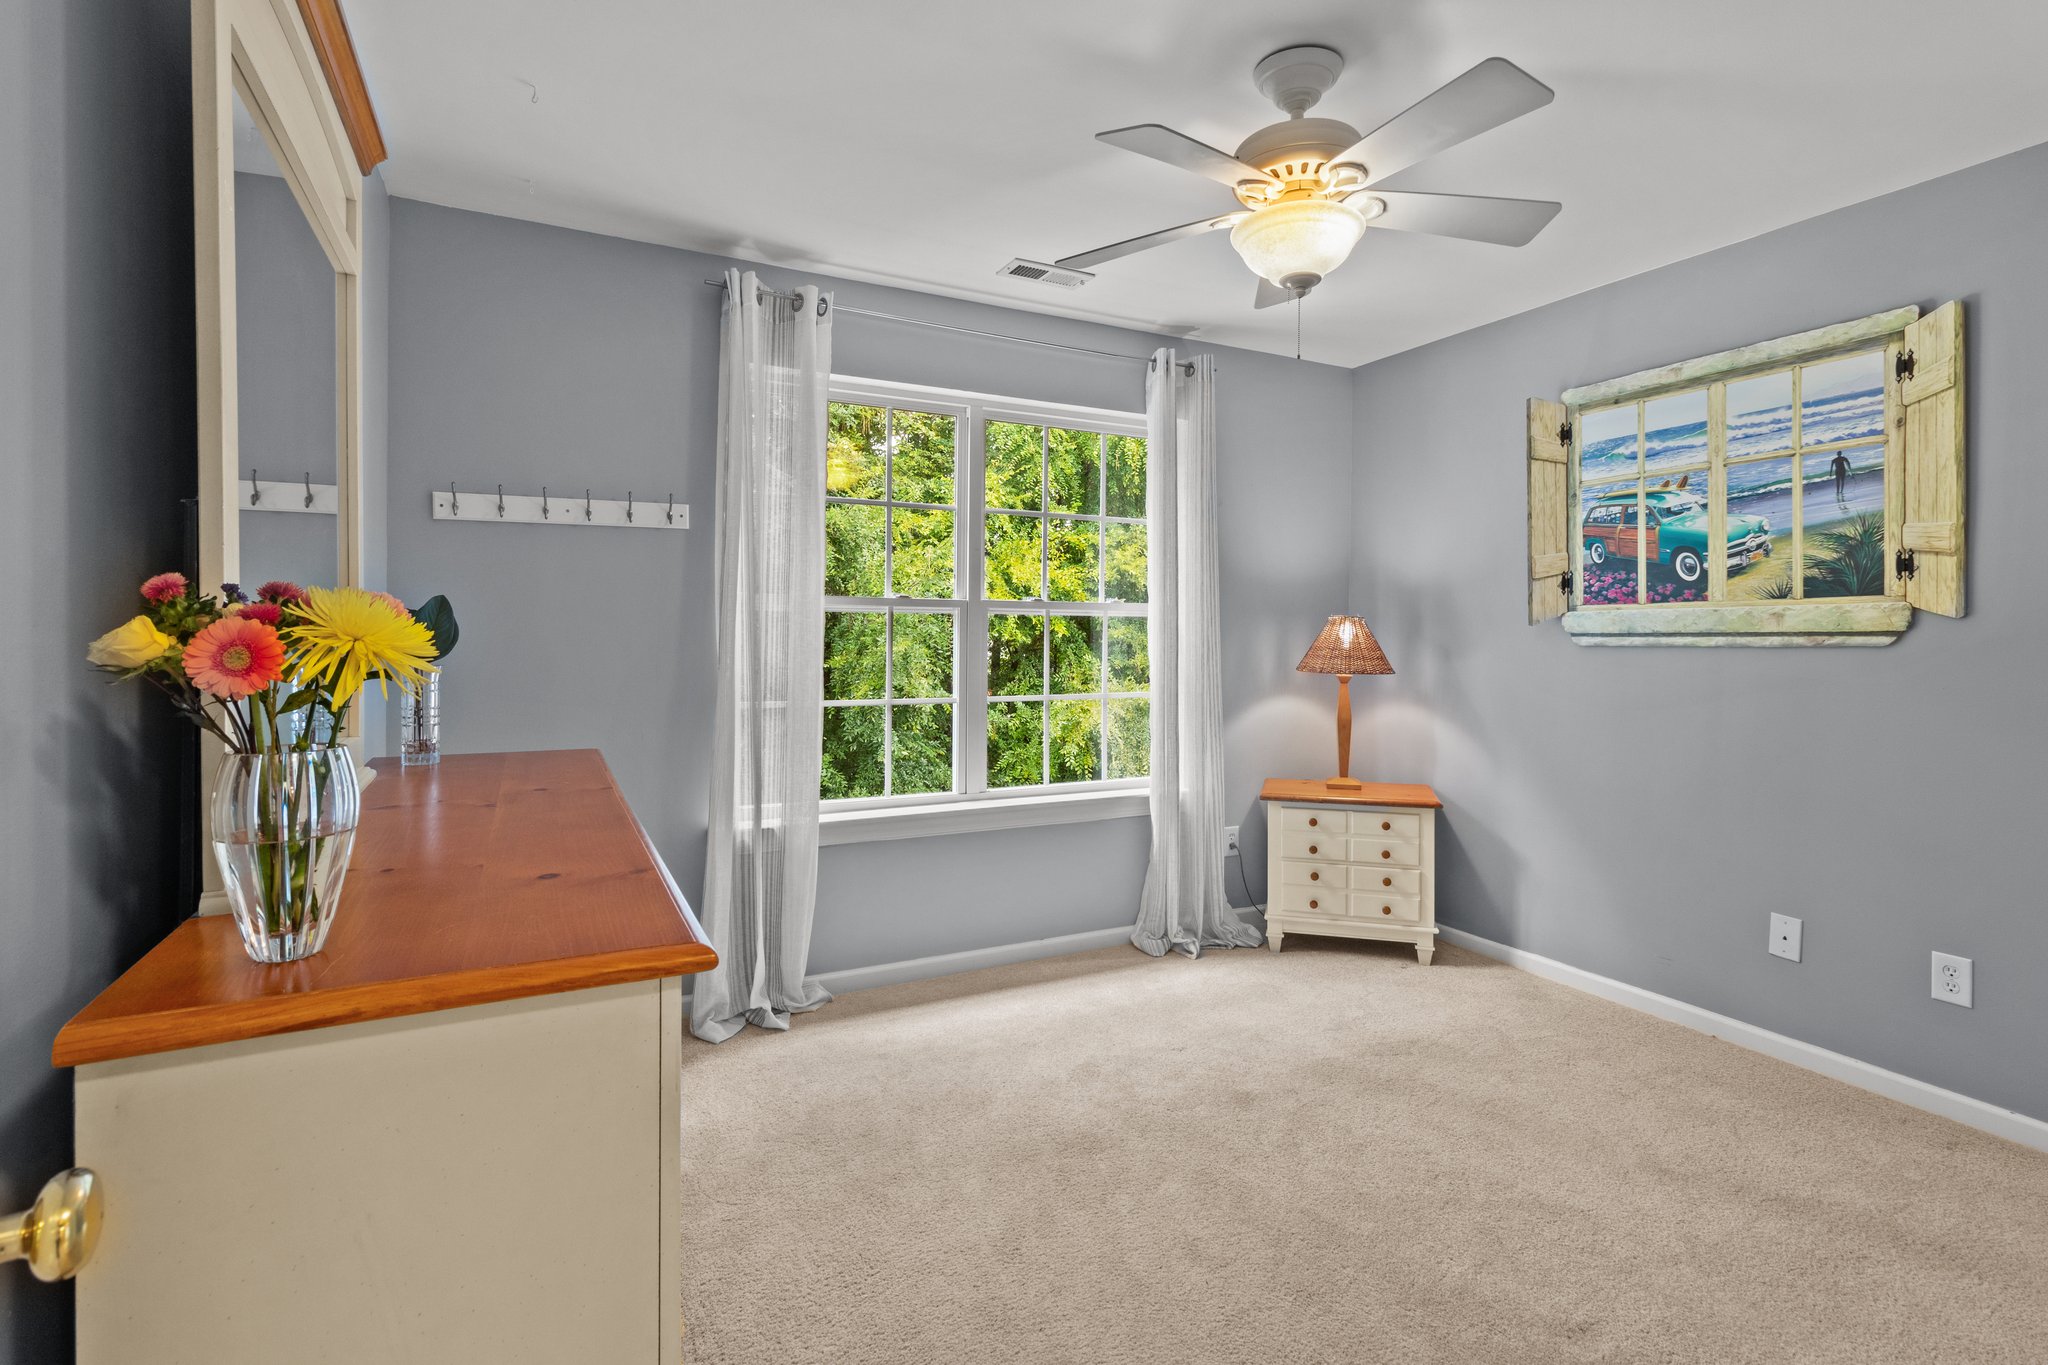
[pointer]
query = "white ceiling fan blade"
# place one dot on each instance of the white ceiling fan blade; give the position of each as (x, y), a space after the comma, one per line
(1161, 143)
(1505, 222)
(1088, 260)
(1271, 294)
(1490, 94)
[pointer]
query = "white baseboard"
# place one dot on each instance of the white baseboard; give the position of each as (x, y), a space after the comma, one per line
(2006, 1123)
(945, 964)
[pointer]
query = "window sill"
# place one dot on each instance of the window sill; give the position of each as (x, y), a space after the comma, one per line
(1861, 622)
(962, 817)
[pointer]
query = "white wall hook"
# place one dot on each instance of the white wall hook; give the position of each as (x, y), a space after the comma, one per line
(449, 504)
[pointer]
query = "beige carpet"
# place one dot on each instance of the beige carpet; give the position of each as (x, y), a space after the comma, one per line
(1331, 1155)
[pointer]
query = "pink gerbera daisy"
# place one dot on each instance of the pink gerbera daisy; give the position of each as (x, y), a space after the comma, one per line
(234, 657)
(269, 613)
(394, 603)
(277, 590)
(165, 587)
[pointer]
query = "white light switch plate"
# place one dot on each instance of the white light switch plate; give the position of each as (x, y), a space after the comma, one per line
(1785, 935)
(1952, 979)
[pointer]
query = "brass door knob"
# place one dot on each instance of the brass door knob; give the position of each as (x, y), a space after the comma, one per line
(57, 1233)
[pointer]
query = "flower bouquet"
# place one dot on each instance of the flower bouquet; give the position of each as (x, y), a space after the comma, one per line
(272, 677)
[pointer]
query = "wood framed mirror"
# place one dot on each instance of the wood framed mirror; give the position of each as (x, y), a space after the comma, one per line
(277, 207)
(278, 238)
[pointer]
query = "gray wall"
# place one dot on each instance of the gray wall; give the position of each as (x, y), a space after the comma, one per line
(96, 449)
(525, 354)
(1639, 812)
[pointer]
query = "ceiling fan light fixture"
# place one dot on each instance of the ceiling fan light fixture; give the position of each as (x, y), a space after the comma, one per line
(1296, 243)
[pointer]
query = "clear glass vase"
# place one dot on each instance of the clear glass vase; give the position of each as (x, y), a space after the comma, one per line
(419, 724)
(283, 825)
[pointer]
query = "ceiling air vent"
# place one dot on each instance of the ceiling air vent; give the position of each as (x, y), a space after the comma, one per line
(1047, 274)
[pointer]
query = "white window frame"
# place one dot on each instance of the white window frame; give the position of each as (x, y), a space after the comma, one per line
(972, 805)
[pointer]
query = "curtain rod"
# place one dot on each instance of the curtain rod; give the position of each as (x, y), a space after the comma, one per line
(966, 331)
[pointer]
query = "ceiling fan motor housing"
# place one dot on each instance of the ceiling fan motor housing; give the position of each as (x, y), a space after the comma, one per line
(1296, 77)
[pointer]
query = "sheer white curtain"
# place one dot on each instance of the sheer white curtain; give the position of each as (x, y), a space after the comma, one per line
(761, 866)
(1184, 906)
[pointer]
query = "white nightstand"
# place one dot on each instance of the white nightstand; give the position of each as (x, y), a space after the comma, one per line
(1351, 863)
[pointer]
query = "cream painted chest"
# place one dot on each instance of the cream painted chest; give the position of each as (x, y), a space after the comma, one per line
(1351, 863)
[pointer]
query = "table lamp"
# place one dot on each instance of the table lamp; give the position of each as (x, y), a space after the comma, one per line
(1346, 648)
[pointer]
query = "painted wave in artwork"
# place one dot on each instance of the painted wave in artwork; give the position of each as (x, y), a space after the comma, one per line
(1824, 420)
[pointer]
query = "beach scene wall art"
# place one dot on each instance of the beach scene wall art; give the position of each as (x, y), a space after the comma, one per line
(1804, 486)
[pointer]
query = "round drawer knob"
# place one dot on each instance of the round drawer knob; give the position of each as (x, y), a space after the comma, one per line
(1386, 881)
(1384, 853)
(1386, 824)
(1311, 848)
(1311, 822)
(1386, 909)
(1312, 904)
(1315, 876)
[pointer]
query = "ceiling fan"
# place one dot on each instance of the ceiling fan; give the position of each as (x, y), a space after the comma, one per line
(1307, 186)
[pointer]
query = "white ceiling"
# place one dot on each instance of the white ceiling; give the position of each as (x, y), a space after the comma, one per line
(921, 143)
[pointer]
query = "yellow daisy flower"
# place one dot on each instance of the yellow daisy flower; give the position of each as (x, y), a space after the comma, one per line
(348, 635)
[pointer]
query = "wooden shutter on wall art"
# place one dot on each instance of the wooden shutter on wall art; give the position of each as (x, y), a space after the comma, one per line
(1931, 392)
(1550, 559)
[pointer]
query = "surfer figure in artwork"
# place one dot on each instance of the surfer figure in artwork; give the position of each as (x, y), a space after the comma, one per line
(1840, 464)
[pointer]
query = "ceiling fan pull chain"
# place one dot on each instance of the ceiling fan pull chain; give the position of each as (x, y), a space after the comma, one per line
(1297, 326)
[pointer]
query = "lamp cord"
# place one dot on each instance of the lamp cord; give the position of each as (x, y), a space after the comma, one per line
(1241, 881)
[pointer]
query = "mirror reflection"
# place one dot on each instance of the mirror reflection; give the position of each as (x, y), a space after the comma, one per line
(285, 371)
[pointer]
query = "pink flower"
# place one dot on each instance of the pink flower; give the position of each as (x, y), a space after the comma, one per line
(277, 590)
(234, 657)
(269, 613)
(165, 587)
(392, 602)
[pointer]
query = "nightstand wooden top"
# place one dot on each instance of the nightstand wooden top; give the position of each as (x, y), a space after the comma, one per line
(1371, 794)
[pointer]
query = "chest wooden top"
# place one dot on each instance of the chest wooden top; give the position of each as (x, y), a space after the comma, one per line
(485, 877)
(1372, 794)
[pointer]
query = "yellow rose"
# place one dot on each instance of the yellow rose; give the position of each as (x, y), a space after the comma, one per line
(129, 646)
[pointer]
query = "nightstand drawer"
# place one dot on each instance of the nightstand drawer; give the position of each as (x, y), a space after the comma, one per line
(1386, 906)
(1387, 824)
(1399, 881)
(1324, 876)
(1313, 843)
(1311, 817)
(1386, 852)
(1313, 900)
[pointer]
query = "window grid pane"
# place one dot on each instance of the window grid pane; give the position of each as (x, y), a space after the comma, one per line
(1074, 504)
(1801, 486)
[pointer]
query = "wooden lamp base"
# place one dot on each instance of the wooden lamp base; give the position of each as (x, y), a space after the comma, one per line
(1343, 781)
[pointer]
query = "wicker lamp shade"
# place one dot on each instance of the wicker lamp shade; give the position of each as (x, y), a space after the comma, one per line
(1345, 647)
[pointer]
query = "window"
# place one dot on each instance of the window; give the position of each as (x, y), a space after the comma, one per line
(985, 579)
(1811, 486)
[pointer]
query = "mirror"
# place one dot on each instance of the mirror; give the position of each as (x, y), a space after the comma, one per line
(285, 371)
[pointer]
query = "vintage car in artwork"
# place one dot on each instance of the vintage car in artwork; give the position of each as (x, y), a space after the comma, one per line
(1674, 533)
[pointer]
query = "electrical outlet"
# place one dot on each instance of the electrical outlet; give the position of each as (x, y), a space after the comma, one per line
(1785, 935)
(1952, 979)
(1230, 838)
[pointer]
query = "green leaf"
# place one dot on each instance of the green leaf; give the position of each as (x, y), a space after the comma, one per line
(438, 617)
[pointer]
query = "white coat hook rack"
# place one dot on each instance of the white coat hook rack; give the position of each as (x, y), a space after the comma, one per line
(451, 504)
(297, 495)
